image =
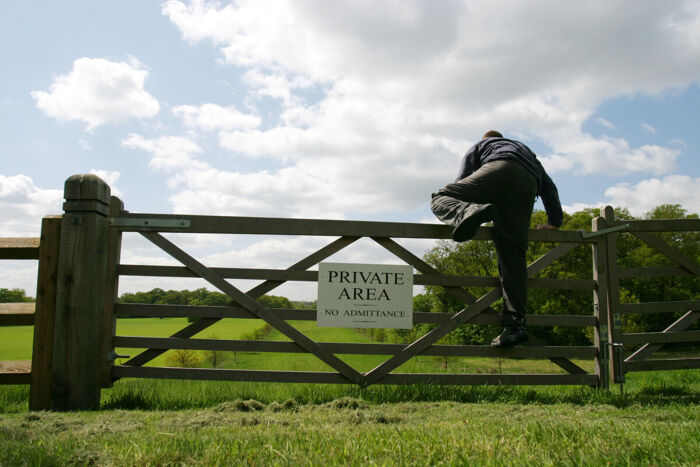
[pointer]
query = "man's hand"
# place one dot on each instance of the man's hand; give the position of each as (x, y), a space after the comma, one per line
(547, 227)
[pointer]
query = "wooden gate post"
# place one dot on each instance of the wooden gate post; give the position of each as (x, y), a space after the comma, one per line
(614, 316)
(109, 324)
(80, 296)
(600, 305)
(45, 314)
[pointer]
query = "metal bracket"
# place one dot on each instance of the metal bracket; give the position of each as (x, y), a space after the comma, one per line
(617, 355)
(152, 223)
(112, 356)
(596, 233)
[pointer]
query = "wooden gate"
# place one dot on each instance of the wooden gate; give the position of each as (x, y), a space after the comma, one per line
(477, 310)
(647, 343)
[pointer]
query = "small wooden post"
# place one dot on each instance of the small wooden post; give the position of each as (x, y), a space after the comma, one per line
(600, 305)
(44, 314)
(614, 316)
(77, 360)
(116, 206)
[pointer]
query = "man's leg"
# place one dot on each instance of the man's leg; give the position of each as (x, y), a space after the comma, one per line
(510, 237)
(464, 216)
(466, 204)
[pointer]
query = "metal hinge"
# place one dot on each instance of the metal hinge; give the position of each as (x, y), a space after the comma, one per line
(152, 223)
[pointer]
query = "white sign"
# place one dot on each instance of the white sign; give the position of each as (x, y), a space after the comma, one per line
(365, 296)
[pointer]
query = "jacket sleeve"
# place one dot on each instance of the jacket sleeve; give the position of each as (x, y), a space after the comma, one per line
(470, 163)
(550, 199)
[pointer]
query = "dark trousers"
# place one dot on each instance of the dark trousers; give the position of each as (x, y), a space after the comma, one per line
(512, 190)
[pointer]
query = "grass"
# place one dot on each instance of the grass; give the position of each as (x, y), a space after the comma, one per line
(16, 342)
(656, 421)
(353, 432)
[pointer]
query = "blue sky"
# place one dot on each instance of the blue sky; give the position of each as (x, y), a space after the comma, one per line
(337, 110)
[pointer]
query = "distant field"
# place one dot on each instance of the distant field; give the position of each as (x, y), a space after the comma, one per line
(16, 344)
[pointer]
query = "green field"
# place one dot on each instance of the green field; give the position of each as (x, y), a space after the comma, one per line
(656, 421)
(16, 344)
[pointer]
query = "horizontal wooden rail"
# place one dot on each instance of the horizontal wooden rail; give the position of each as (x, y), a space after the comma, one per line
(268, 376)
(660, 307)
(659, 271)
(17, 314)
(19, 248)
(312, 276)
(15, 372)
(15, 378)
(666, 364)
(352, 348)
(659, 225)
(124, 310)
(660, 337)
(325, 228)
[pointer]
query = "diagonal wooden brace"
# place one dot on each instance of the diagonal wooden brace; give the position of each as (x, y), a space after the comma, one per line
(681, 324)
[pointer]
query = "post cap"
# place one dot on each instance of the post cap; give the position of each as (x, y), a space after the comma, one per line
(86, 186)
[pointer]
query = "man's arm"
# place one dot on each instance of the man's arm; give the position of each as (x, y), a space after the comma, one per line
(470, 162)
(550, 199)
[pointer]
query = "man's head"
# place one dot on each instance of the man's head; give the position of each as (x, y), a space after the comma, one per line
(492, 134)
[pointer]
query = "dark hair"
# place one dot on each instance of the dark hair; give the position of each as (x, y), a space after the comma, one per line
(492, 134)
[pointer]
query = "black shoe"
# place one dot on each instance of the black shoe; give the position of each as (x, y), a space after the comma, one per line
(510, 336)
(473, 216)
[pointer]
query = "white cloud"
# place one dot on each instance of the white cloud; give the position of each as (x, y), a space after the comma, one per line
(613, 156)
(606, 123)
(678, 142)
(214, 117)
(391, 74)
(647, 194)
(648, 128)
(167, 152)
(98, 91)
(23, 204)
(111, 178)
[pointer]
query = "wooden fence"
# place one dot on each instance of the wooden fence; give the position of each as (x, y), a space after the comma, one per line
(39, 314)
(76, 310)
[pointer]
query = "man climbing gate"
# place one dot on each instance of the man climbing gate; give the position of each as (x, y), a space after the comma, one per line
(498, 181)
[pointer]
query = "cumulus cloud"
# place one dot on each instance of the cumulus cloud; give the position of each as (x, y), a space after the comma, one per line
(167, 152)
(647, 194)
(98, 91)
(648, 128)
(211, 117)
(23, 204)
(613, 156)
(400, 72)
(607, 124)
(111, 178)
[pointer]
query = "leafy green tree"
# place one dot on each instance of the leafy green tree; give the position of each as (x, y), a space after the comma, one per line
(214, 358)
(14, 296)
(274, 301)
(182, 358)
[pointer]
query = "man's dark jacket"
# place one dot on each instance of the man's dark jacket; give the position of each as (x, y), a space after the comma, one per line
(493, 149)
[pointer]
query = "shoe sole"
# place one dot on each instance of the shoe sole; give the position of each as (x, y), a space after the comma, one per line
(468, 227)
(510, 344)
